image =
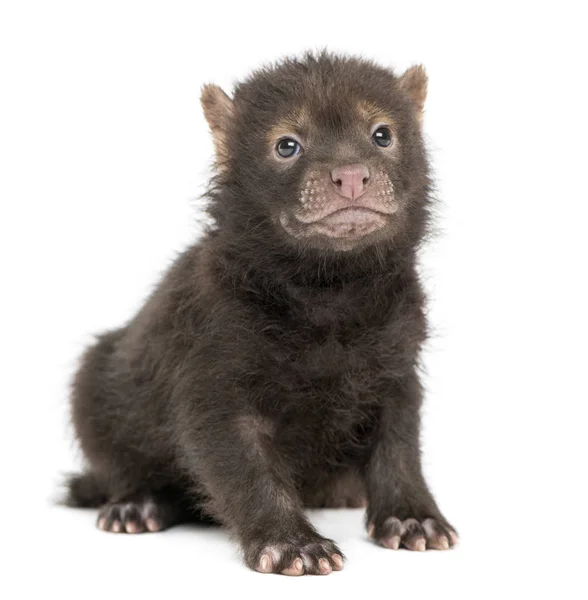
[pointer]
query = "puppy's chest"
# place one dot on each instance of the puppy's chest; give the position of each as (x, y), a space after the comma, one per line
(329, 365)
(323, 394)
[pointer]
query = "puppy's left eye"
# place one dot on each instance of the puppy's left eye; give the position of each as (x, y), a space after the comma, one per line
(287, 148)
(382, 137)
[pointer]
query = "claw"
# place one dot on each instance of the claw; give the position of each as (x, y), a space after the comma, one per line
(264, 564)
(152, 525)
(393, 543)
(116, 527)
(325, 566)
(296, 569)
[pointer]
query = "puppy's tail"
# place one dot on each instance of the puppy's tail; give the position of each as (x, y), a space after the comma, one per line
(84, 491)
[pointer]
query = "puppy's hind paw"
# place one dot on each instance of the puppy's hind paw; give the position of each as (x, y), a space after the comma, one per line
(135, 516)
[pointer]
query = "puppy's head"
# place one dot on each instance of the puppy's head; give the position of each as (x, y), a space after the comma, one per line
(327, 151)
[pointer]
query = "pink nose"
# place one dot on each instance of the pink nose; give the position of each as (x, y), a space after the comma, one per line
(351, 180)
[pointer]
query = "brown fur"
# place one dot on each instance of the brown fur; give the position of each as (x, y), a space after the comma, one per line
(269, 371)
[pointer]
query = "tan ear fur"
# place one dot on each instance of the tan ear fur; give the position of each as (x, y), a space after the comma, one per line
(218, 110)
(414, 83)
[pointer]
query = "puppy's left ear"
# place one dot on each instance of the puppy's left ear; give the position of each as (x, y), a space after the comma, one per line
(218, 110)
(414, 83)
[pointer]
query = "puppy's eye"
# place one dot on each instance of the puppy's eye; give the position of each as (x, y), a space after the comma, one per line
(382, 137)
(287, 148)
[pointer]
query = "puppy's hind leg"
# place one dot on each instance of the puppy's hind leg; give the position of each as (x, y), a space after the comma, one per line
(140, 513)
(136, 512)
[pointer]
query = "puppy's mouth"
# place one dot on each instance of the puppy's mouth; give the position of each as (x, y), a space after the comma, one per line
(340, 209)
(349, 214)
(340, 218)
(350, 222)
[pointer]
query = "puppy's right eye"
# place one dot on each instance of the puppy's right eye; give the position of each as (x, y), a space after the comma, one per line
(287, 148)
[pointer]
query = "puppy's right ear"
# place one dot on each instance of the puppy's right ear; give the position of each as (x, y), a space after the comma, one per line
(218, 110)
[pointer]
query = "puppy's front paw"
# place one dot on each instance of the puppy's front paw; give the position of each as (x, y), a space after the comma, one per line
(428, 534)
(317, 556)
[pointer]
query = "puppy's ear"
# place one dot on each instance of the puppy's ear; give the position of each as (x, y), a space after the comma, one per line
(414, 83)
(218, 110)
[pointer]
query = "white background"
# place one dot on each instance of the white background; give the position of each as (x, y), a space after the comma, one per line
(103, 154)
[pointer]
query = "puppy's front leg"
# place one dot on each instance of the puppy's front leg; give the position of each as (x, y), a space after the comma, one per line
(252, 491)
(401, 509)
